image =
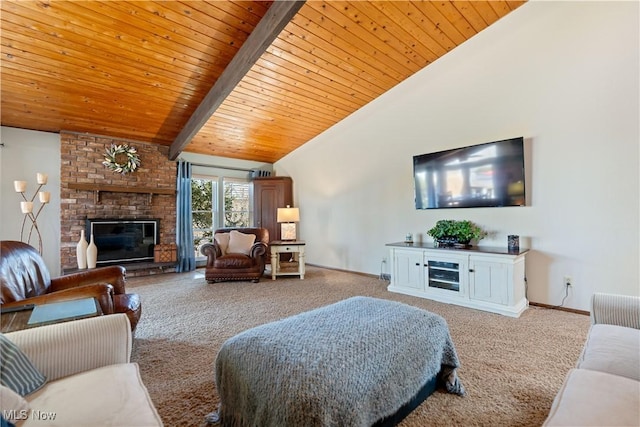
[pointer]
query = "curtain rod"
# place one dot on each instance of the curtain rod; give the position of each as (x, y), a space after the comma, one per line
(221, 167)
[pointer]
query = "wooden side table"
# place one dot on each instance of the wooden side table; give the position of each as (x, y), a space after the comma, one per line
(295, 267)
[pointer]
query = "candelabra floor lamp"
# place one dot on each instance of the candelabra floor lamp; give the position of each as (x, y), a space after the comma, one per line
(26, 206)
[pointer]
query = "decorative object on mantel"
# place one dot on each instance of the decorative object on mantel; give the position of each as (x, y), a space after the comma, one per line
(26, 206)
(92, 254)
(121, 158)
(449, 232)
(81, 251)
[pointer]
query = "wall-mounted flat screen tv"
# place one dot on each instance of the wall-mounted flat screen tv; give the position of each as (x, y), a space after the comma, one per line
(485, 175)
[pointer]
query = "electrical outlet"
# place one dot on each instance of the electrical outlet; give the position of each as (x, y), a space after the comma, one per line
(568, 281)
(384, 260)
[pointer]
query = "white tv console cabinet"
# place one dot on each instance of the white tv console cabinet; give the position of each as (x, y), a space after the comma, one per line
(489, 279)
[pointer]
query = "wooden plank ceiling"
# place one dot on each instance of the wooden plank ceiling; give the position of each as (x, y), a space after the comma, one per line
(139, 69)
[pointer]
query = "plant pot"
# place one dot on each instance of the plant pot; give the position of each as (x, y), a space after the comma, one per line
(452, 242)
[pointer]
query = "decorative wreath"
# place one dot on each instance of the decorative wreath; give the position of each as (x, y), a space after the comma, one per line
(121, 158)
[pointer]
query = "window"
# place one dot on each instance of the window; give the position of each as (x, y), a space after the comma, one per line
(204, 210)
(237, 203)
(207, 201)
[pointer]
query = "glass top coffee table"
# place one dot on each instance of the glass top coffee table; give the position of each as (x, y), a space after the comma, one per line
(31, 316)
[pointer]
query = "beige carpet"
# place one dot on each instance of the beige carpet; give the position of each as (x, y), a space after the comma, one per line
(511, 368)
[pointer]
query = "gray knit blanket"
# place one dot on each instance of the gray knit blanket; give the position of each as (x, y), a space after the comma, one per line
(351, 363)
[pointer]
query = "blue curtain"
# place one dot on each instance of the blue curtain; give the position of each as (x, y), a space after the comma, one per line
(184, 230)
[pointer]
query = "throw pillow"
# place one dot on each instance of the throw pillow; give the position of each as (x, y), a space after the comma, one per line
(240, 243)
(13, 405)
(18, 373)
(223, 242)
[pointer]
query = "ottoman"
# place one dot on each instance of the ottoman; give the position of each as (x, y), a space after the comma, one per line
(359, 362)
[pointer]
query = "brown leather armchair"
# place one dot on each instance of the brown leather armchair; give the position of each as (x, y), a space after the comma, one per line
(25, 279)
(223, 265)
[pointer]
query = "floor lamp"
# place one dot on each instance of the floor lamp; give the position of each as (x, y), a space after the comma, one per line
(26, 207)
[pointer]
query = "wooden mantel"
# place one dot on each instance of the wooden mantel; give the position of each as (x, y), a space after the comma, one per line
(100, 188)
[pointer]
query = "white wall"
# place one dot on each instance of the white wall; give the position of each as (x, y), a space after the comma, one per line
(25, 153)
(562, 74)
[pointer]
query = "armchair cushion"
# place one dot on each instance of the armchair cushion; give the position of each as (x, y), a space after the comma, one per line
(612, 349)
(223, 242)
(125, 402)
(18, 373)
(592, 398)
(12, 401)
(233, 261)
(240, 243)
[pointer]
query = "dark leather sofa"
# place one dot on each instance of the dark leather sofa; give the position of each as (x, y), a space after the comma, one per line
(236, 266)
(25, 279)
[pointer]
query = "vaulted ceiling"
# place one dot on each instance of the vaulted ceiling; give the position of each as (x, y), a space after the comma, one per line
(154, 71)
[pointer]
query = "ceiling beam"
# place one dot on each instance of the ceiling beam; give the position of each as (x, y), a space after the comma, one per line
(272, 23)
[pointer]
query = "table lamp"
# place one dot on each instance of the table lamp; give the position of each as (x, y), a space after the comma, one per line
(287, 217)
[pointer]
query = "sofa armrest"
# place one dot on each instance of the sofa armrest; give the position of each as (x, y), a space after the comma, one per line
(211, 251)
(115, 275)
(258, 250)
(68, 348)
(102, 292)
(611, 309)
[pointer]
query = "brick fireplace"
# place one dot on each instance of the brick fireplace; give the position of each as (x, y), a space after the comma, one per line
(81, 163)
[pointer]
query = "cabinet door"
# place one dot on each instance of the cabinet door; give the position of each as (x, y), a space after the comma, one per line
(446, 274)
(408, 269)
(488, 281)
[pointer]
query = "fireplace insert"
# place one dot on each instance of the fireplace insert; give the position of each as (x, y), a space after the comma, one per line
(124, 240)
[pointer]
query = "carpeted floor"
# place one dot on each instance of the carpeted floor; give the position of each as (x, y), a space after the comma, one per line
(511, 368)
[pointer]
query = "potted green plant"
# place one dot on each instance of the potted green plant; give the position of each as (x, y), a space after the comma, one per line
(449, 232)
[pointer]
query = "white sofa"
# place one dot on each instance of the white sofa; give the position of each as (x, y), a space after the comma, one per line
(604, 388)
(90, 379)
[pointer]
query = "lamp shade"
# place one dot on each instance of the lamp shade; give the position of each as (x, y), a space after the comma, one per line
(288, 214)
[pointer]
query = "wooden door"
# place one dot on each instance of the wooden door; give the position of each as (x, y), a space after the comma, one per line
(269, 194)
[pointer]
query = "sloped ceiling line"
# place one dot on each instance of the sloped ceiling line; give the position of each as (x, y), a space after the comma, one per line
(269, 27)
